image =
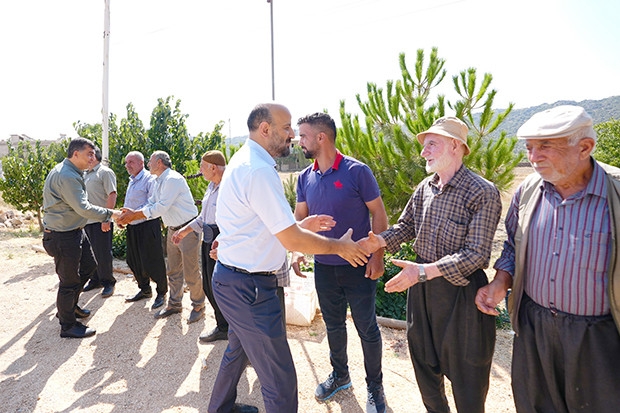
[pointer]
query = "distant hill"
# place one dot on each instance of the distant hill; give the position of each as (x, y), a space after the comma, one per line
(600, 110)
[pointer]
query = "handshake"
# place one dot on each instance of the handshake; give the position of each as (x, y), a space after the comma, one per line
(408, 277)
(124, 216)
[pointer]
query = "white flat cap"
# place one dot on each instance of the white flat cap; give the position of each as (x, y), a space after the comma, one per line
(558, 122)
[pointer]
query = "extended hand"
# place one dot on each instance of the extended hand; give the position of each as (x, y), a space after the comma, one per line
(125, 216)
(371, 243)
(352, 251)
(404, 279)
(317, 223)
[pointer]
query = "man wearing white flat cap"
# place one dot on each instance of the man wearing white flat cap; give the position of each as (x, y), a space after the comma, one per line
(452, 216)
(561, 260)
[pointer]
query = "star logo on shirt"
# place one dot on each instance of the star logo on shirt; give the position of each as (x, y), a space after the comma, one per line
(338, 184)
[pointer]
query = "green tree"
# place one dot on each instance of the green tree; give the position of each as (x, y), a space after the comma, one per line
(608, 142)
(386, 142)
(25, 169)
(168, 132)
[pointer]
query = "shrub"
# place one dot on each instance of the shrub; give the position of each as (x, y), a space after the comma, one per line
(393, 305)
(119, 244)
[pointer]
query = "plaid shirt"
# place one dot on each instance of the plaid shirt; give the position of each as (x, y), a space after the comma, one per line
(453, 227)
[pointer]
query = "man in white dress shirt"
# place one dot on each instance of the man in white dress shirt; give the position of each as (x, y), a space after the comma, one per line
(256, 228)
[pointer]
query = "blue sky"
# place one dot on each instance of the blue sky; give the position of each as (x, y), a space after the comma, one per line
(216, 55)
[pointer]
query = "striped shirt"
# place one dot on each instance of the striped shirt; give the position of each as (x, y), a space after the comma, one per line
(453, 227)
(568, 248)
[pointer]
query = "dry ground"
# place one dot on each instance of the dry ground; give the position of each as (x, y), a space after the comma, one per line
(138, 364)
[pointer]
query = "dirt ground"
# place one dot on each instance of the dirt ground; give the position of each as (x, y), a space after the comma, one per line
(136, 363)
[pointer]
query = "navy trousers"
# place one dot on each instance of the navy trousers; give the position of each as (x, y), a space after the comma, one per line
(338, 286)
(256, 334)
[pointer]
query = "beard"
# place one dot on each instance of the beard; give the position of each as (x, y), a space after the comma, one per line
(277, 148)
(440, 163)
(308, 154)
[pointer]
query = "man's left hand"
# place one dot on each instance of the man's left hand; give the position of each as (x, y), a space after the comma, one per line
(404, 279)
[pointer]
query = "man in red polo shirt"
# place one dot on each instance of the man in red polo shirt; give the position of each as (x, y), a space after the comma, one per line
(346, 189)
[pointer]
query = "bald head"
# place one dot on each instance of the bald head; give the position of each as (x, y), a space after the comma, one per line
(270, 126)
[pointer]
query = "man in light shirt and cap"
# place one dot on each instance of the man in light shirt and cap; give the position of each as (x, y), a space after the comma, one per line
(452, 216)
(560, 259)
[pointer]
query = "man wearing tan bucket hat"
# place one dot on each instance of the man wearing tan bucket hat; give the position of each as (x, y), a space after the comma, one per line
(452, 216)
(561, 261)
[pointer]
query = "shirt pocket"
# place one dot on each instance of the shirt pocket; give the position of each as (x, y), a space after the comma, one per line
(592, 251)
(453, 236)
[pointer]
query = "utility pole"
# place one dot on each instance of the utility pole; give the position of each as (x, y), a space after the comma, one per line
(106, 69)
(273, 82)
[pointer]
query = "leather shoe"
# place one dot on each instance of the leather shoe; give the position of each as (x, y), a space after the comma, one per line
(159, 301)
(140, 296)
(90, 285)
(78, 330)
(244, 408)
(81, 312)
(167, 311)
(214, 335)
(195, 315)
(107, 291)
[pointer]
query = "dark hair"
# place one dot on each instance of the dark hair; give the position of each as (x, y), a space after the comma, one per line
(260, 113)
(321, 121)
(98, 154)
(78, 144)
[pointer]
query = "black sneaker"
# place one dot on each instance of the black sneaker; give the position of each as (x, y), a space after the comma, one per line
(331, 386)
(376, 400)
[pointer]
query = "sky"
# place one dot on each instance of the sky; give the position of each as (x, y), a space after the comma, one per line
(215, 56)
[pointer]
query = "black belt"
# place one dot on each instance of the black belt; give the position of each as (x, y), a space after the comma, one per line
(182, 225)
(49, 231)
(244, 271)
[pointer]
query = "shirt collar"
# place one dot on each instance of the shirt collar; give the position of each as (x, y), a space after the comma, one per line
(262, 152)
(95, 169)
(163, 174)
(455, 181)
(139, 176)
(336, 164)
(596, 185)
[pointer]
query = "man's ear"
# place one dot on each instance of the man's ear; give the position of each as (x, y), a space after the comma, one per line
(586, 146)
(263, 128)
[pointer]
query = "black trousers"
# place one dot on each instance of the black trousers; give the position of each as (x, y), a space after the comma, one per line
(449, 337)
(145, 255)
(208, 265)
(101, 243)
(75, 264)
(565, 363)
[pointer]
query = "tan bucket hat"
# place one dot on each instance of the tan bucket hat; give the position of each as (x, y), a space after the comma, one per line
(450, 127)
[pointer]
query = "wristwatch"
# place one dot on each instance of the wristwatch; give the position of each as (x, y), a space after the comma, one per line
(422, 274)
